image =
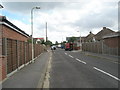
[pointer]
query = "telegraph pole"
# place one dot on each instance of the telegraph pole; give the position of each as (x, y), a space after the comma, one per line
(46, 31)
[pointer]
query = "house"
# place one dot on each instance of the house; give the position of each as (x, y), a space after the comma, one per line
(99, 36)
(111, 41)
(105, 42)
(89, 37)
(38, 40)
(102, 33)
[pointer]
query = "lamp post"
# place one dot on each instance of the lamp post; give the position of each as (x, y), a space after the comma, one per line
(1, 6)
(32, 31)
(80, 42)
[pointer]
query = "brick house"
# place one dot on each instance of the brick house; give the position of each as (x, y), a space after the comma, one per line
(112, 41)
(89, 37)
(102, 33)
(105, 42)
(8, 30)
(97, 37)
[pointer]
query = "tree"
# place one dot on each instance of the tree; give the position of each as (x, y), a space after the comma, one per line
(64, 41)
(56, 43)
(63, 44)
(48, 43)
(72, 39)
(30, 40)
(43, 42)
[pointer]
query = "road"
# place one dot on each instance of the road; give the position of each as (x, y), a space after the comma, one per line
(71, 69)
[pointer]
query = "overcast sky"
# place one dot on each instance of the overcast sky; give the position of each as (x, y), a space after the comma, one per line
(64, 18)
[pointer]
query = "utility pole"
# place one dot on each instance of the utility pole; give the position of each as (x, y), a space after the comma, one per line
(46, 31)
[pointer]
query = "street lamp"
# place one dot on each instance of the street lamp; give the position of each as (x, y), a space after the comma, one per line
(80, 42)
(1, 6)
(32, 31)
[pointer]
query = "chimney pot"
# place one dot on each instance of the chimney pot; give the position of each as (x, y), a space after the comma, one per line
(104, 27)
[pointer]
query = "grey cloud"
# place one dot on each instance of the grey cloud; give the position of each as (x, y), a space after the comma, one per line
(106, 18)
(25, 7)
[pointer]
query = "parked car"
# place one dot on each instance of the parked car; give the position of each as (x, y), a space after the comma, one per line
(53, 47)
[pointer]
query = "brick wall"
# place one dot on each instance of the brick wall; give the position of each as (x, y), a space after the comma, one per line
(111, 46)
(3, 73)
(2, 58)
(1, 53)
(112, 42)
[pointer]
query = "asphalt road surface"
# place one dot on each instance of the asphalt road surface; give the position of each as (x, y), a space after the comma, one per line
(71, 69)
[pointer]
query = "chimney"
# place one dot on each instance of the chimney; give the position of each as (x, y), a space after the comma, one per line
(90, 32)
(104, 28)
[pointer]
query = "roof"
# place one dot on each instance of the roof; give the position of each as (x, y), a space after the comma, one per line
(89, 36)
(112, 35)
(39, 38)
(103, 32)
(4, 21)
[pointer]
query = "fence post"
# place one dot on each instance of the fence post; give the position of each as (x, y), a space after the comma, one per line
(96, 48)
(102, 47)
(28, 53)
(25, 52)
(18, 56)
(3, 58)
(5, 52)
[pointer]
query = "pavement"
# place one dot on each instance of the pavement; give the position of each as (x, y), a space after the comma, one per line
(104, 56)
(112, 58)
(31, 76)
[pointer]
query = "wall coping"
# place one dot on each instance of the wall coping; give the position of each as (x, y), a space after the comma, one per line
(3, 56)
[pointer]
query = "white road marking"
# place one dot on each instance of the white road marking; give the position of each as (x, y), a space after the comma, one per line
(71, 56)
(116, 62)
(65, 53)
(50, 57)
(77, 59)
(106, 73)
(80, 61)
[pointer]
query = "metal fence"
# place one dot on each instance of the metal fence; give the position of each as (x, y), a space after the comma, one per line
(19, 53)
(99, 47)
